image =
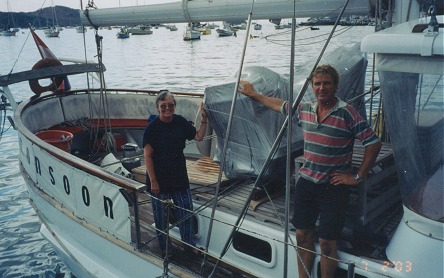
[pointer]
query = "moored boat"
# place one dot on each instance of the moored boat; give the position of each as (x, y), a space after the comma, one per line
(91, 207)
(7, 33)
(9, 30)
(51, 32)
(226, 31)
(54, 30)
(81, 29)
(191, 33)
(172, 27)
(140, 30)
(123, 33)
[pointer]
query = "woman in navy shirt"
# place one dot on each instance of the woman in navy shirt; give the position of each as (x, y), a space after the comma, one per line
(167, 177)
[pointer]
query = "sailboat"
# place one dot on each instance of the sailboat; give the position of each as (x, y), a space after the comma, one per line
(191, 33)
(8, 30)
(54, 30)
(81, 29)
(92, 199)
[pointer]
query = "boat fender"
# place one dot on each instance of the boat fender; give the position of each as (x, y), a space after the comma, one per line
(55, 81)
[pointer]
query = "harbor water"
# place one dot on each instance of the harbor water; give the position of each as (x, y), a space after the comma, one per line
(158, 61)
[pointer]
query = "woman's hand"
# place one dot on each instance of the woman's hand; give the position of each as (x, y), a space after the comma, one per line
(203, 113)
(155, 187)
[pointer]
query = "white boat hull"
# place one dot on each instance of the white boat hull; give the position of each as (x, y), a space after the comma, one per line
(86, 252)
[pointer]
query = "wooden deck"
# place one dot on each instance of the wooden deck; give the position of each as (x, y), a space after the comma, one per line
(203, 172)
(376, 193)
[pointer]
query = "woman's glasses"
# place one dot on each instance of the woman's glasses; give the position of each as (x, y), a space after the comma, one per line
(169, 105)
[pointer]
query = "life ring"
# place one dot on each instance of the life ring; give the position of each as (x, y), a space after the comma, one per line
(55, 81)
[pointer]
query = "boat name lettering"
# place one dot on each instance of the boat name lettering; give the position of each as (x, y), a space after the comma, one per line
(108, 205)
(85, 196)
(66, 185)
(37, 165)
(51, 170)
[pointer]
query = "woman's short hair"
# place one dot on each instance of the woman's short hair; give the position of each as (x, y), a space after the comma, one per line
(163, 94)
(327, 70)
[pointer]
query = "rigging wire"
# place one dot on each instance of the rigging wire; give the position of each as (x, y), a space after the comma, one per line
(108, 141)
(289, 141)
(338, 33)
(225, 146)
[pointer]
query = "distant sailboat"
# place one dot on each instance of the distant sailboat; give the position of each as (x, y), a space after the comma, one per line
(54, 31)
(8, 31)
(191, 33)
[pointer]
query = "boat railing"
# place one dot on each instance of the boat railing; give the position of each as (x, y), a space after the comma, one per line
(141, 91)
(48, 72)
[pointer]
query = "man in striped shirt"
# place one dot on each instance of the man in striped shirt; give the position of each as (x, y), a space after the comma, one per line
(330, 127)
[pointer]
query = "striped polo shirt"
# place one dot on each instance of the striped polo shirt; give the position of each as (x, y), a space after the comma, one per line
(328, 145)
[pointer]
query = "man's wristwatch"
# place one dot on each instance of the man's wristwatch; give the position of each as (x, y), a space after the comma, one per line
(357, 177)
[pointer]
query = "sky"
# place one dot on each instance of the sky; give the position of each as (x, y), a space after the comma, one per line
(34, 5)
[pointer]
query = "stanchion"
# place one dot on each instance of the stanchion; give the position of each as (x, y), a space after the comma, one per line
(351, 270)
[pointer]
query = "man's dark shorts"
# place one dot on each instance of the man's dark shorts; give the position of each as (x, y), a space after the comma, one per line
(329, 202)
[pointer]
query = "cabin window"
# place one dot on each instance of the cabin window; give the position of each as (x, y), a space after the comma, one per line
(252, 246)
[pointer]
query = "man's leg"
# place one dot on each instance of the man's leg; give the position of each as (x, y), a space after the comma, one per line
(306, 252)
(306, 211)
(329, 264)
(334, 205)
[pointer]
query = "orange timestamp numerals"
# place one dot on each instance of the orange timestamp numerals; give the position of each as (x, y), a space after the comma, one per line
(398, 266)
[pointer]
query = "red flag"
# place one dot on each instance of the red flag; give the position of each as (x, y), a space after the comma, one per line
(45, 52)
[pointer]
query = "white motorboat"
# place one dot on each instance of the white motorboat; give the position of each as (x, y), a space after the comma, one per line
(224, 32)
(81, 29)
(7, 33)
(141, 30)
